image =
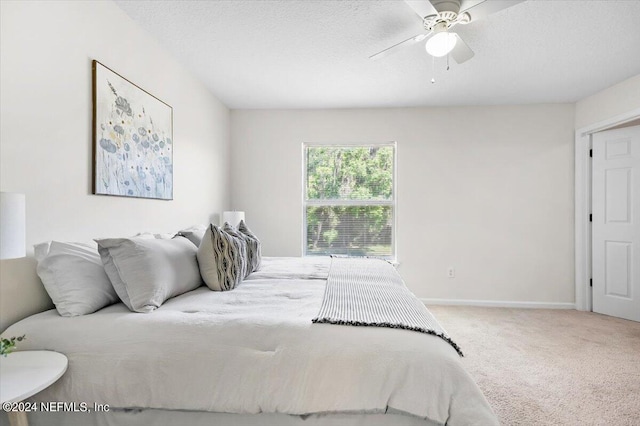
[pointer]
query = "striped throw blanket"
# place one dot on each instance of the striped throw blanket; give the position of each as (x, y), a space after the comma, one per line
(370, 292)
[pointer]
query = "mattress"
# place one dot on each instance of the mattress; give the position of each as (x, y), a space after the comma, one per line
(255, 350)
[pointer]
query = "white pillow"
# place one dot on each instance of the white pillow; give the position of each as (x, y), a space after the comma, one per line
(222, 259)
(166, 235)
(147, 271)
(73, 275)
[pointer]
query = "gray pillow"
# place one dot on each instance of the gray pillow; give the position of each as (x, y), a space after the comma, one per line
(147, 271)
(73, 275)
(222, 259)
(254, 249)
(194, 234)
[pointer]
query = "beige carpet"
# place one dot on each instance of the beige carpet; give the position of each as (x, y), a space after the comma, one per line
(550, 367)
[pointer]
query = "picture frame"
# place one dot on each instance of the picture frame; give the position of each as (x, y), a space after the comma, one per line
(132, 139)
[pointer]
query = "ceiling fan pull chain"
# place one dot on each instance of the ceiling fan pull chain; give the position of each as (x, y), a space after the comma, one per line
(433, 69)
(448, 61)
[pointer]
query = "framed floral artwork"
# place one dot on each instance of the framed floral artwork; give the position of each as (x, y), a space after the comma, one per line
(132, 139)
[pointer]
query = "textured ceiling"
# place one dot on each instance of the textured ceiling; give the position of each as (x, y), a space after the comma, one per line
(314, 54)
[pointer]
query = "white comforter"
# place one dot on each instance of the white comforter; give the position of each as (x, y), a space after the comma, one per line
(253, 350)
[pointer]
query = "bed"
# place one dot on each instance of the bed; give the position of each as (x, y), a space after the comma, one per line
(251, 356)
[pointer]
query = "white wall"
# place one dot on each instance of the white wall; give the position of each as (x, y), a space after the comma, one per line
(488, 190)
(45, 97)
(618, 99)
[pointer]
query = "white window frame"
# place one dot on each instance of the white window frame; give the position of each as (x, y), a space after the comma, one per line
(393, 202)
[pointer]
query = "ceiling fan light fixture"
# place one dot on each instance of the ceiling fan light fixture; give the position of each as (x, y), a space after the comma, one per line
(441, 44)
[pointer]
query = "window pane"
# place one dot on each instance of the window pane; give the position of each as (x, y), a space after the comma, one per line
(350, 230)
(350, 173)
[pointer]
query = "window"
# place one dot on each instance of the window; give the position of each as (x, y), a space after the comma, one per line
(349, 200)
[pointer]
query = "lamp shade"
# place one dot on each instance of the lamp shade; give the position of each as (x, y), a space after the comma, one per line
(233, 217)
(441, 44)
(12, 225)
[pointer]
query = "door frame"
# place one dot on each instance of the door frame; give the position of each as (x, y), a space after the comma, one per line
(582, 207)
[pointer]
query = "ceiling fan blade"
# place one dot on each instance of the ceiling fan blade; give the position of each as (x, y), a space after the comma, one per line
(396, 47)
(422, 7)
(461, 52)
(480, 9)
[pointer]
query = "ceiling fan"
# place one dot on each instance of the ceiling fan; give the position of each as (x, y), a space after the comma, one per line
(439, 17)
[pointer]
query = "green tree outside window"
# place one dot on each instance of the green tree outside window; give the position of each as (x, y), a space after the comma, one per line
(349, 200)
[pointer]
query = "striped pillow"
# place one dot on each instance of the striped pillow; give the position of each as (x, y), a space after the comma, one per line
(229, 229)
(254, 249)
(222, 259)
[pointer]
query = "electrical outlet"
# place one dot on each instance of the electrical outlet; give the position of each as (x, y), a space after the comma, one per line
(451, 273)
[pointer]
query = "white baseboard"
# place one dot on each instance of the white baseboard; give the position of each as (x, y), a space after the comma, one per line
(499, 303)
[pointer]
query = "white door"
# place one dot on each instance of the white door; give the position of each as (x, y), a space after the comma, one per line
(616, 223)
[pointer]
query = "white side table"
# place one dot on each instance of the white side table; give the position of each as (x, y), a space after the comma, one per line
(26, 373)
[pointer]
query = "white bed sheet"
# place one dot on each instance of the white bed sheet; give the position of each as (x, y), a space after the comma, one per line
(254, 350)
(158, 417)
